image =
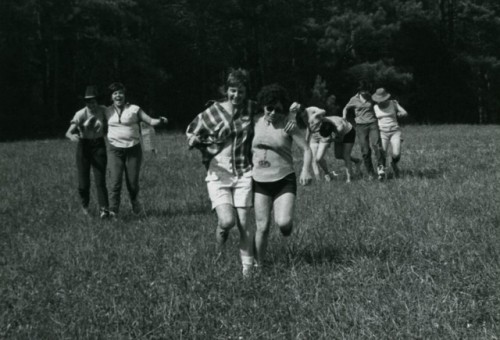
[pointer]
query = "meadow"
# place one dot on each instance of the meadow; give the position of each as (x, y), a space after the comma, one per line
(411, 258)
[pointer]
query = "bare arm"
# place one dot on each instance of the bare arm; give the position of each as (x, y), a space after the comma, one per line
(305, 175)
(401, 111)
(71, 135)
(151, 121)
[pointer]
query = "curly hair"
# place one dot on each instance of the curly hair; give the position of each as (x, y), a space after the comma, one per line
(272, 94)
(327, 128)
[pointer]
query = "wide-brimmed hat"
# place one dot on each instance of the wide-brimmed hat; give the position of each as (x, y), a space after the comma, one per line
(91, 92)
(380, 95)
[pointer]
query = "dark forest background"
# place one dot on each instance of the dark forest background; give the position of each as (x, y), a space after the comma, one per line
(438, 57)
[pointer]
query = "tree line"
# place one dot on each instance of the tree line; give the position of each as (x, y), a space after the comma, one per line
(438, 57)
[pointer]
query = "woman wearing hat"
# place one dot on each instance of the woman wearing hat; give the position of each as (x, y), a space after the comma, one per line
(87, 129)
(367, 130)
(125, 152)
(387, 111)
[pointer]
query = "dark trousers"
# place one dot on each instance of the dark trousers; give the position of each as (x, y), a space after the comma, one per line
(91, 153)
(124, 161)
(368, 136)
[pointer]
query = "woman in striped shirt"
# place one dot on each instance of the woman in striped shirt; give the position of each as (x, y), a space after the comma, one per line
(223, 132)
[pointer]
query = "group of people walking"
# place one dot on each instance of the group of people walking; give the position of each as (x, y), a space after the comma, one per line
(120, 123)
(246, 147)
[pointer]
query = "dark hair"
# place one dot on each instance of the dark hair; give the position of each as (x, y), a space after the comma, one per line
(116, 86)
(302, 119)
(326, 128)
(272, 94)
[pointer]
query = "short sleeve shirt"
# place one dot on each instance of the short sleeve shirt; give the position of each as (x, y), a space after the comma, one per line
(363, 111)
(123, 128)
(90, 124)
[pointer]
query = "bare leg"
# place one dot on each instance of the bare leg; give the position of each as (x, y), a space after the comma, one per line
(283, 216)
(347, 149)
(262, 206)
(314, 149)
(246, 235)
(226, 221)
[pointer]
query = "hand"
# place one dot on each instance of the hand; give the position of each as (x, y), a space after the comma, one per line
(74, 137)
(305, 178)
(98, 126)
(294, 108)
(163, 120)
(193, 141)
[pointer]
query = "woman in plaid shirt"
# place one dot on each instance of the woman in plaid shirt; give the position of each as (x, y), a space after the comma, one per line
(223, 133)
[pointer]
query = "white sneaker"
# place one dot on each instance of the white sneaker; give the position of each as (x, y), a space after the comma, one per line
(331, 176)
(381, 172)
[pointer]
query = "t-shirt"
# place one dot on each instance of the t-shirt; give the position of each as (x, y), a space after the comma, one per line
(272, 151)
(363, 111)
(123, 128)
(90, 124)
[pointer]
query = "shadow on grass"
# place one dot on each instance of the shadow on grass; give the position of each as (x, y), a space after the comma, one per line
(194, 208)
(419, 173)
(347, 255)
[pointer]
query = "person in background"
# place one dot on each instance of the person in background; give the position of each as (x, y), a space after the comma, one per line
(387, 112)
(332, 108)
(274, 179)
(343, 135)
(311, 118)
(125, 152)
(367, 130)
(87, 130)
(223, 133)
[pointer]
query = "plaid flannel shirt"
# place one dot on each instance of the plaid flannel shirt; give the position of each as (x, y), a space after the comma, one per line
(215, 127)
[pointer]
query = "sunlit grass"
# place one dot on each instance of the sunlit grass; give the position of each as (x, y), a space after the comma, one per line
(415, 257)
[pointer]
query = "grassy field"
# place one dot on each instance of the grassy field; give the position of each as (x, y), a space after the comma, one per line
(415, 257)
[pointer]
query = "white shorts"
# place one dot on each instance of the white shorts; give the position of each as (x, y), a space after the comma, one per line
(226, 188)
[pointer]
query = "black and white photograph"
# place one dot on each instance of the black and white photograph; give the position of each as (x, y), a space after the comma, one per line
(250, 169)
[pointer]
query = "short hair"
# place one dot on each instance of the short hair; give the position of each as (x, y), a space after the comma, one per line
(326, 128)
(272, 94)
(237, 78)
(116, 86)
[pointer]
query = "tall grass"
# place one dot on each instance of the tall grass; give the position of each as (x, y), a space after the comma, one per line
(415, 257)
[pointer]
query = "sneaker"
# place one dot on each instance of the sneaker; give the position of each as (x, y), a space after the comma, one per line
(112, 216)
(247, 272)
(381, 172)
(331, 176)
(103, 214)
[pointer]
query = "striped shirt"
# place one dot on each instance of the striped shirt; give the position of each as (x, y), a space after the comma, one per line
(215, 127)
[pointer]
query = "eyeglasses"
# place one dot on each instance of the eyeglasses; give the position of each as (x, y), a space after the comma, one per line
(276, 109)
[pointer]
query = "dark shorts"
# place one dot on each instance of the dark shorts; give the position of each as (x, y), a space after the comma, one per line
(278, 188)
(350, 137)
